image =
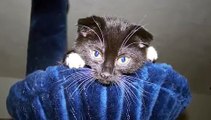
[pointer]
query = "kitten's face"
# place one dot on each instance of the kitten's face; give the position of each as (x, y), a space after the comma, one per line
(111, 47)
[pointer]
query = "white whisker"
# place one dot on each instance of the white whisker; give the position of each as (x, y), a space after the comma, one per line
(131, 44)
(127, 37)
(134, 31)
(67, 78)
(93, 32)
(86, 85)
(78, 87)
(132, 95)
(127, 98)
(142, 20)
(101, 32)
(89, 84)
(135, 78)
(144, 92)
(130, 35)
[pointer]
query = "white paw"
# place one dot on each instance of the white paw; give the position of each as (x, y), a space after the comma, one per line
(74, 60)
(152, 54)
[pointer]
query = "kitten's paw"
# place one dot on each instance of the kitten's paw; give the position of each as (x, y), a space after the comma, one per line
(74, 60)
(152, 54)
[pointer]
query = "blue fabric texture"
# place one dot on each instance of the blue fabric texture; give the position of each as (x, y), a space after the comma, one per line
(47, 36)
(154, 92)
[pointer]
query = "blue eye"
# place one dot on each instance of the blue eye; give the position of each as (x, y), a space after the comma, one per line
(123, 59)
(96, 53)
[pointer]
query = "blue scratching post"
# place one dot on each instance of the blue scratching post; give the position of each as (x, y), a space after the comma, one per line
(47, 36)
(154, 92)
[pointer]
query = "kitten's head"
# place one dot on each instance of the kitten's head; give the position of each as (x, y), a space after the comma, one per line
(111, 46)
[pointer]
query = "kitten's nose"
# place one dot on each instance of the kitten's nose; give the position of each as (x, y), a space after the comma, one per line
(105, 75)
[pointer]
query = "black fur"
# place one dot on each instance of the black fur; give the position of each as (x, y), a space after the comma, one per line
(107, 35)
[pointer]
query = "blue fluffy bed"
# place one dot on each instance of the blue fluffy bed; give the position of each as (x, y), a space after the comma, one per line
(154, 92)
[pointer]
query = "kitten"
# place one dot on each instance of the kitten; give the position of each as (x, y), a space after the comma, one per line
(111, 47)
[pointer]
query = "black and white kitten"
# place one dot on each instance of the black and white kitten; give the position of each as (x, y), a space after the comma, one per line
(111, 47)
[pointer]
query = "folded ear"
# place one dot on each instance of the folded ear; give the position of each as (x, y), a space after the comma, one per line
(144, 36)
(89, 25)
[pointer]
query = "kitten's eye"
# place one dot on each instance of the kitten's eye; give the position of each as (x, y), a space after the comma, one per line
(123, 60)
(96, 54)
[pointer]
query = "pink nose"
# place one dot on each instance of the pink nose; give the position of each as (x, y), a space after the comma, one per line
(105, 75)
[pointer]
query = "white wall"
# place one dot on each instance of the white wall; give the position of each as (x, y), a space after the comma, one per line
(5, 84)
(14, 29)
(200, 108)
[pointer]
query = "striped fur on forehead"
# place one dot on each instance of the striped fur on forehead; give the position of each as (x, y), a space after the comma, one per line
(113, 22)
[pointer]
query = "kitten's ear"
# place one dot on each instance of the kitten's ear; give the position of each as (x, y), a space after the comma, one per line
(144, 36)
(89, 25)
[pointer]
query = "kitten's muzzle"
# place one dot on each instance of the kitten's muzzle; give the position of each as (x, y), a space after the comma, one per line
(106, 72)
(105, 75)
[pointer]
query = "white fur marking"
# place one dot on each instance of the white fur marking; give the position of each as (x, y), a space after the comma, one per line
(74, 60)
(141, 45)
(152, 54)
(84, 34)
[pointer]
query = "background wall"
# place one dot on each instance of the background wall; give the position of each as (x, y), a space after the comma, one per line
(181, 29)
